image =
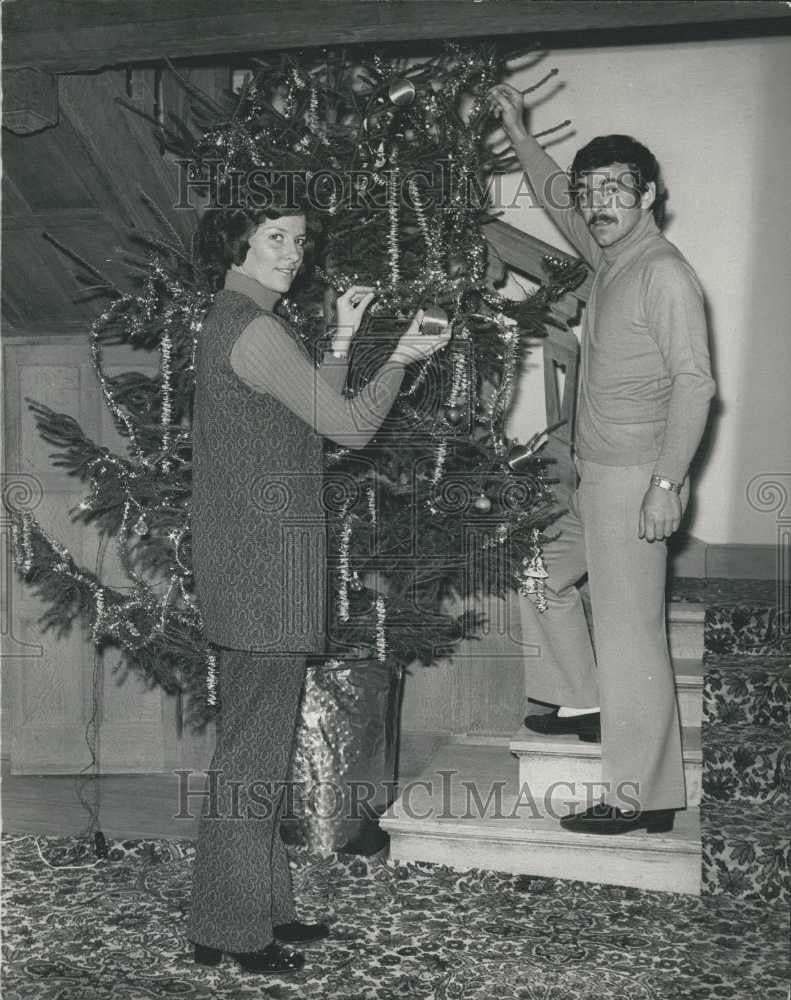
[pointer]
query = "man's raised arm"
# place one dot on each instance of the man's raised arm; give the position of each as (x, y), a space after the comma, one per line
(549, 184)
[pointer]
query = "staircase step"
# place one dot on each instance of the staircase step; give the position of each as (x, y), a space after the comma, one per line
(747, 764)
(467, 811)
(685, 629)
(746, 852)
(754, 691)
(564, 769)
(689, 690)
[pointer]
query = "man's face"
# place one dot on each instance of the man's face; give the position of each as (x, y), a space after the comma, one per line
(611, 204)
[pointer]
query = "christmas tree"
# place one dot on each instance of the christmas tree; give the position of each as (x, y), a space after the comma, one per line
(395, 160)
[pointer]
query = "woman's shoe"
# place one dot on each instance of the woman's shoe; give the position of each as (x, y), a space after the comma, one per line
(295, 932)
(207, 956)
(272, 959)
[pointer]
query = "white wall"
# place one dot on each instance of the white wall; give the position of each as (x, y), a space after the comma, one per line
(716, 116)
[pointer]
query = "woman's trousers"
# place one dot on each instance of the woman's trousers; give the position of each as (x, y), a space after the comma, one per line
(241, 881)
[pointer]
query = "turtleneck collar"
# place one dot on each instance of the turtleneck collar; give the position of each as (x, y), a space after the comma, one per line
(264, 297)
(645, 227)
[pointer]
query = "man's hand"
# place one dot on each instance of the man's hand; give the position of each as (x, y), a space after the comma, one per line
(660, 514)
(508, 104)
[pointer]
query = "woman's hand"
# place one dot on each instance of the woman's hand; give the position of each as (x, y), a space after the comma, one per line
(351, 308)
(415, 346)
(508, 104)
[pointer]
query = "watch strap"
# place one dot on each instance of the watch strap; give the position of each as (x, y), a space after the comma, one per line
(666, 484)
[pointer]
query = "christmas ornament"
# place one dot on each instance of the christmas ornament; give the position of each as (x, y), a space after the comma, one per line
(141, 526)
(435, 321)
(454, 414)
(482, 504)
(401, 93)
(532, 575)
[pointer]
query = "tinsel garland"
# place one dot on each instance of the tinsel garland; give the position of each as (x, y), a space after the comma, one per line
(211, 679)
(381, 637)
(393, 248)
(460, 378)
(344, 567)
(166, 390)
(434, 264)
(96, 362)
(440, 456)
(501, 396)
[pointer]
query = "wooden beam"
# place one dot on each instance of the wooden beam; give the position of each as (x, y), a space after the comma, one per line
(63, 36)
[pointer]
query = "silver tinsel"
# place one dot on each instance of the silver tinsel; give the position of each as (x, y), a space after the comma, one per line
(211, 679)
(381, 637)
(393, 249)
(344, 568)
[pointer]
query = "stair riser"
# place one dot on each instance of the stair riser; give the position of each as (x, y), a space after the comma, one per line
(690, 705)
(685, 640)
(578, 779)
(658, 870)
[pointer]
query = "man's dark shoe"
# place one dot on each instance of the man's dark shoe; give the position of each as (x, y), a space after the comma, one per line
(587, 726)
(295, 932)
(611, 820)
(274, 959)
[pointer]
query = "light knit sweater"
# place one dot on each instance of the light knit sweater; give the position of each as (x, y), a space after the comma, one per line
(270, 361)
(645, 375)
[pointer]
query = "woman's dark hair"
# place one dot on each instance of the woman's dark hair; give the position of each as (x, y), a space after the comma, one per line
(607, 149)
(223, 236)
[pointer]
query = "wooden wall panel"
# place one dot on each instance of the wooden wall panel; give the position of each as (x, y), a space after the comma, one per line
(48, 682)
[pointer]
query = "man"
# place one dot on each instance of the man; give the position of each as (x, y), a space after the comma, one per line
(644, 394)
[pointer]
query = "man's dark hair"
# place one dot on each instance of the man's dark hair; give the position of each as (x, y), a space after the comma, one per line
(643, 166)
(223, 236)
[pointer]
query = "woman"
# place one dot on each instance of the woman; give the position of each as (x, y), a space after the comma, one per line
(261, 410)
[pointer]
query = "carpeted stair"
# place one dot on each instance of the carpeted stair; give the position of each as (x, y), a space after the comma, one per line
(746, 806)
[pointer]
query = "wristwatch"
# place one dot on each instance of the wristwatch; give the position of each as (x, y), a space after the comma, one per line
(666, 484)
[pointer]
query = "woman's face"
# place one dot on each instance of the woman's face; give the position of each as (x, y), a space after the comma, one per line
(277, 247)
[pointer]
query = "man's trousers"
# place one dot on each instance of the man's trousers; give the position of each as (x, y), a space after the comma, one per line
(631, 676)
(241, 881)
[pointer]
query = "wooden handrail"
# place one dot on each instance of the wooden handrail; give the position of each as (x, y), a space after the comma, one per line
(525, 254)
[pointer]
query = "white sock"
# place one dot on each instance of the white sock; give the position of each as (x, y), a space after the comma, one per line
(569, 713)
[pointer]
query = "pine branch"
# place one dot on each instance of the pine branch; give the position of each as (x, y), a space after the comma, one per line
(107, 283)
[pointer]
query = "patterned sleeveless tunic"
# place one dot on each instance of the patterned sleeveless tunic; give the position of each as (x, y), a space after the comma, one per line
(258, 531)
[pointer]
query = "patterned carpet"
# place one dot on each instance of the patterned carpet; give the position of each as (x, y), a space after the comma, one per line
(409, 932)
(116, 929)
